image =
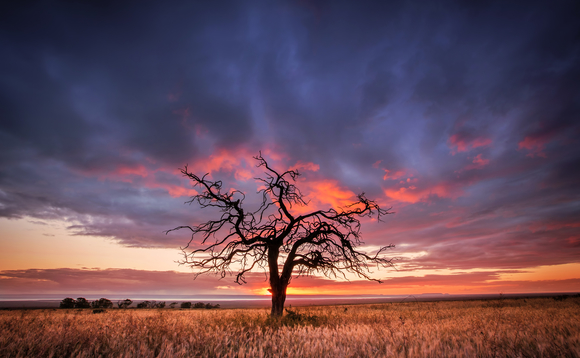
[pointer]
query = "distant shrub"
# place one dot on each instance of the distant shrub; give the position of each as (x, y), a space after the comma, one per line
(144, 304)
(172, 305)
(102, 303)
(158, 304)
(67, 303)
(82, 302)
(124, 303)
(205, 305)
(99, 310)
(199, 305)
(185, 304)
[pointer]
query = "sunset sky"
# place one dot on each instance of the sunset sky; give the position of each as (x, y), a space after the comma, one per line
(464, 117)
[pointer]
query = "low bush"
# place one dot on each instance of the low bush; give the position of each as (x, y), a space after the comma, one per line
(68, 303)
(185, 304)
(124, 303)
(82, 302)
(102, 303)
(144, 304)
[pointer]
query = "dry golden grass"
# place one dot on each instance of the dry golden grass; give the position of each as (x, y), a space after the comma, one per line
(503, 328)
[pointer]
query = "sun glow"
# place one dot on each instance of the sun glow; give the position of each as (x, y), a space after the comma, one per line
(263, 291)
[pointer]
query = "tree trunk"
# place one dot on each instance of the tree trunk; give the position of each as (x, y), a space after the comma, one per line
(278, 299)
(278, 284)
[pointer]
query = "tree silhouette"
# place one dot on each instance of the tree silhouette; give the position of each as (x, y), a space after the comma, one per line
(276, 240)
(82, 302)
(125, 303)
(68, 303)
(102, 303)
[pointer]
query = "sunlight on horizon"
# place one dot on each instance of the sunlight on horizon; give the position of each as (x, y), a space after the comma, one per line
(28, 248)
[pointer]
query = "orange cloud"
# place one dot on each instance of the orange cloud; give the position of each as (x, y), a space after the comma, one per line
(243, 164)
(324, 194)
(222, 160)
(463, 143)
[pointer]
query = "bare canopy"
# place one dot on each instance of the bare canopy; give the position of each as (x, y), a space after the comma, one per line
(274, 238)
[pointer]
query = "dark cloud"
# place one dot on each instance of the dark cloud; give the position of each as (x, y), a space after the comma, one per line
(462, 117)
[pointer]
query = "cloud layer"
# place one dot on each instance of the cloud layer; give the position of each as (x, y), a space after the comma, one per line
(462, 117)
(119, 282)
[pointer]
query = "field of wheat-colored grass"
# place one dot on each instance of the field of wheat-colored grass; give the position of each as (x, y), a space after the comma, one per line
(501, 328)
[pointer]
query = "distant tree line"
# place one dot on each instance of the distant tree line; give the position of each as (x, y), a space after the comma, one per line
(102, 303)
(199, 305)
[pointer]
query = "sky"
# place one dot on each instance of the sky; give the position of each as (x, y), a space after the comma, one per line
(462, 117)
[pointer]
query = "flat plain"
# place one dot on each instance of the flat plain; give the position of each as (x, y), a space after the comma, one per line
(539, 327)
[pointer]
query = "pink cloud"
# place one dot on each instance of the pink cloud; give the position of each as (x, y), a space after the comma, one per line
(173, 97)
(477, 163)
(145, 177)
(102, 281)
(240, 162)
(389, 175)
(535, 144)
(139, 170)
(243, 174)
(551, 225)
(275, 154)
(176, 191)
(462, 142)
(413, 194)
(305, 166)
(184, 113)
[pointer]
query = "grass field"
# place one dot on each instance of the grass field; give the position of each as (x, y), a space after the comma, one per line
(541, 327)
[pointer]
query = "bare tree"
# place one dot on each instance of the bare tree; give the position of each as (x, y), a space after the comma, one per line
(276, 240)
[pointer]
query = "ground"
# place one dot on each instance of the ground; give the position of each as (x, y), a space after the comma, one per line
(539, 327)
